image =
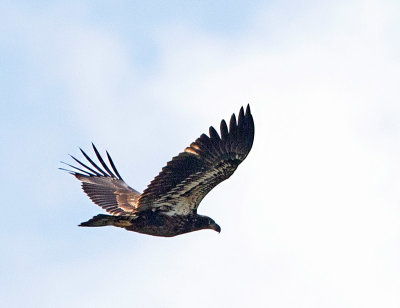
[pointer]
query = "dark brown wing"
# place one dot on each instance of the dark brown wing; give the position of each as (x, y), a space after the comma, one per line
(105, 188)
(188, 177)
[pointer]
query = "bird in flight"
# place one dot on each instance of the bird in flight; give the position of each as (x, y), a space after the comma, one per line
(168, 206)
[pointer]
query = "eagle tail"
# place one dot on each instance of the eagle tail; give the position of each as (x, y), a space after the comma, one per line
(102, 220)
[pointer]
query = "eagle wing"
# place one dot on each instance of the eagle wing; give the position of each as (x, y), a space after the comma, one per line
(188, 177)
(104, 187)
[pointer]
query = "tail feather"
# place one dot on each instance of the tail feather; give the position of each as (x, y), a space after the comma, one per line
(102, 220)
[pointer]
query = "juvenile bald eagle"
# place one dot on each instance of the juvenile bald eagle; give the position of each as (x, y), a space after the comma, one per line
(168, 206)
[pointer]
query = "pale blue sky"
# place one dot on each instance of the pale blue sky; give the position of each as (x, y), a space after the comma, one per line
(310, 219)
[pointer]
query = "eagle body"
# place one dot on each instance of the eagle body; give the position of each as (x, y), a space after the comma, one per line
(168, 206)
(154, 223)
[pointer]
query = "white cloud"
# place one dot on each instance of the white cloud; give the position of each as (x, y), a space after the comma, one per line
(311, 217)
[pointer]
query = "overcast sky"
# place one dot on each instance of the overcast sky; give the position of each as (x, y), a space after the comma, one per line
(310, 219)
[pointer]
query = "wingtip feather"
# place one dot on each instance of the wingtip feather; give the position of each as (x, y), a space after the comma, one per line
(224, 130)
(213, 133)
(232, 124)
(113, 166)
(110, 173)
(248, 111)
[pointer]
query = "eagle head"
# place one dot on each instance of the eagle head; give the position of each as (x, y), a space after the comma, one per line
(205, 222)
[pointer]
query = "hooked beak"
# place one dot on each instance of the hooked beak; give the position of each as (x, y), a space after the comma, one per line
(215, 227)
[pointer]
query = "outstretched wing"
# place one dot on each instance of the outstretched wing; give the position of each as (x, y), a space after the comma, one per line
(188, 177)
(105, 188)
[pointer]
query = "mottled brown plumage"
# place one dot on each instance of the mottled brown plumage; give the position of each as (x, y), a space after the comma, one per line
(168, 206)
